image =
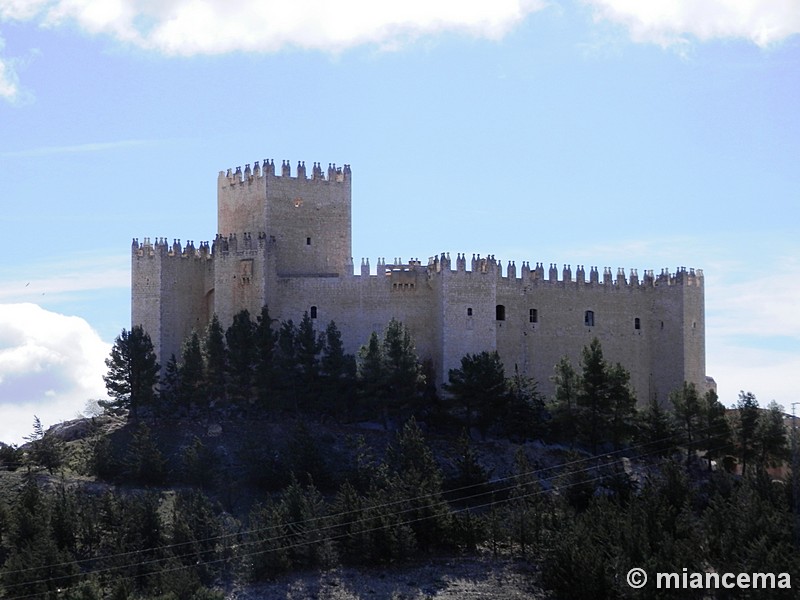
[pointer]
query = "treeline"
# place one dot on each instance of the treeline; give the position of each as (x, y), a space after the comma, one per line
(262, 365)
(260, 368)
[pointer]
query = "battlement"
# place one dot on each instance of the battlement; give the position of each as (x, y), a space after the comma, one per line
(266, 169)
(537, 275)
(162, 248)
(222, 244)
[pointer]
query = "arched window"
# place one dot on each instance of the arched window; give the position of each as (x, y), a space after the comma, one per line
(588, 318)
(313, 312)
(500, 313)
(469, 312)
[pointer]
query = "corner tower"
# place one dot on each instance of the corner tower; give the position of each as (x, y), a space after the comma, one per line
(306, 218)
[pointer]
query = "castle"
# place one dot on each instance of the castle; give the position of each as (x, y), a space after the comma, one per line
(285, 241)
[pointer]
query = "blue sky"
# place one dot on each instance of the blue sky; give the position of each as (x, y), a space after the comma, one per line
(600, 132)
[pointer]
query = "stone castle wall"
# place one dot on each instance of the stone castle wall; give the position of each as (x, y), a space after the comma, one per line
(286, 241)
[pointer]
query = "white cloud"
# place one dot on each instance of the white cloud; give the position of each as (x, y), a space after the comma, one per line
(9, 84)
(669, 22)
(189, 27)
(50, 365)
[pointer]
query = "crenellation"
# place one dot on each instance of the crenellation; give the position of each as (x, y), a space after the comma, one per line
(286, 242)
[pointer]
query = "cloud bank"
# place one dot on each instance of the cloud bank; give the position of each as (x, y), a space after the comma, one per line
(50, 365)
(190, 27)
(9, 83)
(669, 22)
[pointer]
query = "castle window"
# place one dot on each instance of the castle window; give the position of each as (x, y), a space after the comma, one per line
(308, 241)
(469, 312)
(637, 323)
(534, 316)
(588, 318)
(500, 313)
(313, 312)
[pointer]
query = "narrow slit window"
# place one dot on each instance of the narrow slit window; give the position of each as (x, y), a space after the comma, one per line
(313, 312)
(533, 317)
(500, 313)
(637, 323)
(469, 312)
(308, 241)
(588, 318)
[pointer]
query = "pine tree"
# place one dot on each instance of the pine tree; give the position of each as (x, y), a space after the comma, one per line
(772, 445)
(132, 373)
(46, 449)
(216, 360)
(689, 413)
(170, 389)
(404, 372)
(265, 339)
(622, 420)
(193, 392)
(338, 372)
(479, 387)
(373, 376)
(288, 364)
(658, 429)
(593, 396)
(716, 435)
(526, 414)
(309, 346)
(241, 355)
(565, 407)
(747, 407)
(415, 478)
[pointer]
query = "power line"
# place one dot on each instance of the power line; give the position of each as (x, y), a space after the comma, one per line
(338, 525)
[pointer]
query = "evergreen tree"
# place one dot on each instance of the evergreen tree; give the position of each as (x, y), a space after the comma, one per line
(132, 372)
(772, 445)
(170, 390)
(658, 429)
(747, 425)
(288, 365)
(716, 434)
(193, 391)
(265, 369)
(416, 479)
(622, 418)
(689, 413)
(46, 449)
(403, 370)
(479, 387)
(144, 462)
(338, 373)
(309, 346)
(35, 566)
(216, 359)
(241, 355)
(526, 414)
(372, 376)
(565, 407)
(593, 396)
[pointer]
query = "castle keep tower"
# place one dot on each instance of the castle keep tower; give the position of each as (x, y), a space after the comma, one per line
(284, 240)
